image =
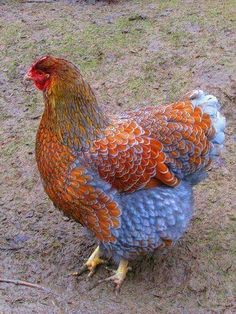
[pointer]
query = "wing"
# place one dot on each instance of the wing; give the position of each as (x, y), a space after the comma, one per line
(153, 146)
(185, 132)
(129, 158)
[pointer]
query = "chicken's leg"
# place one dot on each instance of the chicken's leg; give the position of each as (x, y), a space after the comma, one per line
(91, 264)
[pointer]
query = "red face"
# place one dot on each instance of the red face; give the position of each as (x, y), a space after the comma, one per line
(40, 78)
(41, 72)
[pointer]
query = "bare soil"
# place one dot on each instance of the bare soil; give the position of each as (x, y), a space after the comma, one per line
(134, 53)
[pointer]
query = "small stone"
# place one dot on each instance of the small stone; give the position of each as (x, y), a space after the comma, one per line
(30, 214)
(20, 238)
(125, 31)
(138, 17)
(91, 1)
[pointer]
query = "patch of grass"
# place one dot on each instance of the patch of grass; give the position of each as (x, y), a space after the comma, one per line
(12, 69)
(226, 62)
(10, 148)
(149, 70)
(18, 144)
(94, 41)
(11, 33)
(127, 32)
(177, 86)
(224, 9)
(136, 85)
(177, 37)
(32, 101)
(220, 239)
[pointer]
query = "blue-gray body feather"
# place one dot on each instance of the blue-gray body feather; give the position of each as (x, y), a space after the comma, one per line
(149, 217)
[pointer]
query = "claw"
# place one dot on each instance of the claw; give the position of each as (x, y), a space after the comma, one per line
(91, 264)
(82, 270)
(119, 275)
(116, 280)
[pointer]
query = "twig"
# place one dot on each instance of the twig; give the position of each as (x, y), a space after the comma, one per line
(35, 1)
(25, 283)
(11, 248)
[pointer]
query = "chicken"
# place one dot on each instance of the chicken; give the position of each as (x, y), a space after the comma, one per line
(128, 178)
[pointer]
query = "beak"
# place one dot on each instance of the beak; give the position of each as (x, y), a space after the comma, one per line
(26, 80)
(27, 77)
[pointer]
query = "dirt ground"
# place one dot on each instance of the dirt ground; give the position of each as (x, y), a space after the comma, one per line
(134, 53)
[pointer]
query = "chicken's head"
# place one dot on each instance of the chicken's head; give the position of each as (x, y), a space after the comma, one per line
(51, 71)
(41, 72)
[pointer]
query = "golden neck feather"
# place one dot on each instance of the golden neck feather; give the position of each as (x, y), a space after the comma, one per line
(72, 113)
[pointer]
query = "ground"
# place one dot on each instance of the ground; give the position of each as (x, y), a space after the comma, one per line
(134, 53)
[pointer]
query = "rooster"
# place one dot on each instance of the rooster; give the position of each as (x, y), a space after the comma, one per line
(128, 178)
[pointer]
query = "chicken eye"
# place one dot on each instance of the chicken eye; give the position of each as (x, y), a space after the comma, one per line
(41, 79)
(42, 76)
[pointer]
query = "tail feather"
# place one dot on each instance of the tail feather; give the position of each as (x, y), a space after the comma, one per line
(211, 106)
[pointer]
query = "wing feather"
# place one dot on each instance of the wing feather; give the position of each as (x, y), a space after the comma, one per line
(128, 157)
(153, 146)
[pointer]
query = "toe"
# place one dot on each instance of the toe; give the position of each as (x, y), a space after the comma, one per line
(82, 270)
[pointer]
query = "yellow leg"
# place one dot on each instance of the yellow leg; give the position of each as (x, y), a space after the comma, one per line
(92, 263)
(119, 275)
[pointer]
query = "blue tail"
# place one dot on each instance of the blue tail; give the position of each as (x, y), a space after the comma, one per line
(211, 106)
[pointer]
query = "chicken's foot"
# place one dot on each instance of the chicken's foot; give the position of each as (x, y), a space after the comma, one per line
(91, 264)
(119, 275)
